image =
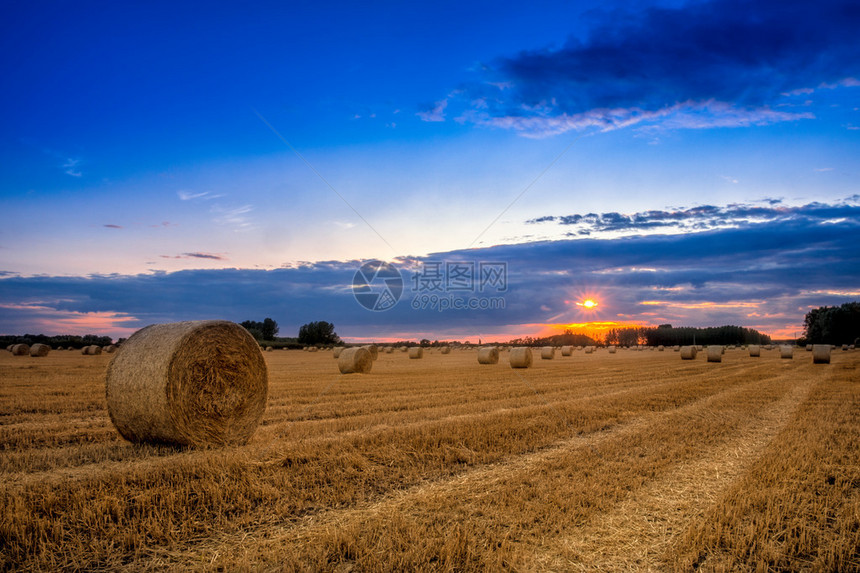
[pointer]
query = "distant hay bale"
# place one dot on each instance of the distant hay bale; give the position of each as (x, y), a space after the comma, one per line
(20, 349)
(188, 383)
(521, 357)
(404, 349)
(60, 348)
(589, 349)
(611, 349)
(373, 349)
(337, 350)
(313, 349)
(9, 347)
(446, 350)
(566, 350)
(93, 350)
(809, 348)
(755, 350)
(786, 351)
(416, 352)
(389, 349)
(488, 355)
(110, 348)
(269, 349)
(39, 350)
(355, 360)
(844, 348)
(688, 352)
(677, 348)
(715, 352)
(821, 354)
(547, 353)
(661, 348)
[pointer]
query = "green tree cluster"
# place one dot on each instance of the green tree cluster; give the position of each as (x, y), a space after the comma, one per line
(832, 324)
(320, 332)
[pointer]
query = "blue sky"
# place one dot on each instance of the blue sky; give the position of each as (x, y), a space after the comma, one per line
(222, 160)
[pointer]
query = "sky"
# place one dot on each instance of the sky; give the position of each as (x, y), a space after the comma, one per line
(692, 163)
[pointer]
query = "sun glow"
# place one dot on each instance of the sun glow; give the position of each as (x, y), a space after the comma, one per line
(587, 303)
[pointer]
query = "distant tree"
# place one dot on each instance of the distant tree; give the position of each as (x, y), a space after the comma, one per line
(266, 330)
(832, 324)
(320, 332)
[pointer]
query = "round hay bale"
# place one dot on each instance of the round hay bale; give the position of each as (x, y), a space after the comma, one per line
(755, 350)
(677, 348)
(547, 353)
(313, 349)
(373, 349)
(820, 354)
(844, 348)
(566, 350)
(404, 349)
(389, 349)
(589, 349)
(661, 348)
(521, 357)
(188, 383)
(786, 351)
(110, 348)
(488, 355)
(416, 352)
(446, 350)
(60, 348)
(715, 353)
(809, 348)
(269, 349)
(94, 350)
(39, 350)
(337, 350)
(355, 360)
(20, 349)
(688, 352)
(9, 347)
(611, 349)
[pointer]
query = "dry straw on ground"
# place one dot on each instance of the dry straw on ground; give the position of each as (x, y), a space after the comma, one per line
(355, 360)
(821, 354)
(39, 350)
(416, 352)
(488, 355)
(521, 357)
(188, 383)
(715, 353)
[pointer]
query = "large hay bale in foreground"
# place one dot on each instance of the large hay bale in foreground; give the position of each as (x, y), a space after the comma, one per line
(521, 357)
(39, 350)
(547, 353)
(20, 349)
(715, 353)
(786, 351)
(755, 350)
(566, 350)
(355, 360)
(188, 383)
(416, 352)
(488, 355)
(821, 354)
(688, 352)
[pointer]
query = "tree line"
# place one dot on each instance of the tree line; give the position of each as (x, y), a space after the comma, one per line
(832, 325)
(64, 340)
(667, 335)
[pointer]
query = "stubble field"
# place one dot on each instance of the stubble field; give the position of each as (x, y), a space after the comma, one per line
(633, 461)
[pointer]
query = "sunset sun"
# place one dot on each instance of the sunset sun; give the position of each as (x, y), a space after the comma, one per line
(587, 303)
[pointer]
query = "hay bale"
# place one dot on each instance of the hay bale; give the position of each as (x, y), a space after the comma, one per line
(9, 347)
(20, 349)
(820, 354)
(755, 350)
(39, 350)
(688, 352)
(355, 360)
(844, 348)
(337, 350)
(521, 357)
(547, 353)
(611, 349)
(373, 349)
(661, 348)
(809, 348)
(677, 348)
(488, 355)
(389, 349)
(445, 350)
(404, 349)
(786, 351)
(566, 350)
(416, 352)
(188, 383)
(589, 349)
(94, 350)
(715, 352)
(269, 349)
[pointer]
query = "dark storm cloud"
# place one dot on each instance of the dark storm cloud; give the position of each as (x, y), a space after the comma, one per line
(717, 63)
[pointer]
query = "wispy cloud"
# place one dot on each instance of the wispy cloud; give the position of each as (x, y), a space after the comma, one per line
(236, 217)
(112, 226)
(70, 167)
(436, 112)
(209, 256)
(185, 195)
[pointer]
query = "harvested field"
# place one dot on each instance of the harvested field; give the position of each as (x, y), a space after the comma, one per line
(632, 461)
